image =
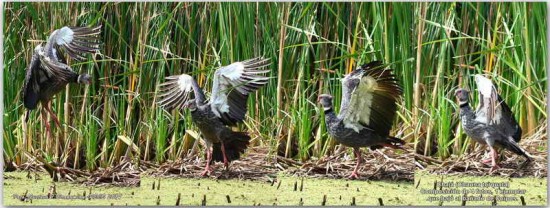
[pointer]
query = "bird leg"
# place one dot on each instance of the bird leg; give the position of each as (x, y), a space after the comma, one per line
(488, 160)
(207, 169)
(354, 174)
(494, 155)
(225, 161)
(43, 114)
(54, 117)
(58, 140)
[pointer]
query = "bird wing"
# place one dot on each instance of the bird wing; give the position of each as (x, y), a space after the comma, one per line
(510, 126)
(369, 98)
(492, 109)
(76, 41)
(232, 84)
(31, 87)
(177, 90)
(54, 69)
(487, 107)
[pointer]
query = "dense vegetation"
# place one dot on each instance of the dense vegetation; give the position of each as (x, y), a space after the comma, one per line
(433, 47)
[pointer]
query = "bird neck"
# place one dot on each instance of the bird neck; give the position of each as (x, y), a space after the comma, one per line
(464, 104)
(74, 78)
(465, 109)
(330, 116)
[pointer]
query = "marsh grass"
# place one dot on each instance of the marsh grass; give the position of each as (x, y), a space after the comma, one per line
(433, 46)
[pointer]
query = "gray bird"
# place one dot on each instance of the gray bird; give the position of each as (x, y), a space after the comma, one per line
(369, 103)
(492, 123)
(227, 106)
(493, 110)
(48, 72)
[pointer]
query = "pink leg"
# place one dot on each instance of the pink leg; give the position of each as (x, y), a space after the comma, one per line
(207, 169)
(43, 114)
(59, 140)
(49, 135)
(54, 117)
(488, 160)
(225, 161)
(494, 156)
(354, 174)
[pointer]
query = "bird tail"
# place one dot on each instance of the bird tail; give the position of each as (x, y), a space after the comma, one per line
(514, 147)
(235, 145)
(392, 142)
(517, 133)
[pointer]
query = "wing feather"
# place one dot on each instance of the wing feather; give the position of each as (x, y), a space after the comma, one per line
(76, 41)
(487, 107)
(232, 85)
(31, 86)
(177, 90)
(369, 98)
(492, 110)
(60, 71)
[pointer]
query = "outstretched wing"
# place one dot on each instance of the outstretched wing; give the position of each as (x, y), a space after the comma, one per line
(487, 108)
(177, 90)
(369, 98)
(492, 109)
(76, 41)
(231, 87)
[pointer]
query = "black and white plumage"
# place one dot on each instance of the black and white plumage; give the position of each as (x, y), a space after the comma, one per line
(227, 105)
(369, 102)
(493, 110)
(492, 123)
(48, 72)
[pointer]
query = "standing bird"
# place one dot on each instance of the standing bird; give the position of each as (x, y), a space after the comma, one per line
(48, 72)
(227, 106)
(492, 123)
(369, 103)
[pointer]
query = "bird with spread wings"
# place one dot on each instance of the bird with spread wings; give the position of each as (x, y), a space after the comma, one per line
(48, 73)
(227, 106)
(369, 103)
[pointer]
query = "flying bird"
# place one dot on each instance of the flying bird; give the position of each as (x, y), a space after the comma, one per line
(48, 73)
(369, 104)
(226, 107)
(492, 123)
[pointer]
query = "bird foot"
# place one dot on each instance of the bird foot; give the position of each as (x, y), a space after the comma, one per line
(207, 171)
(486, 161)
(354, 175)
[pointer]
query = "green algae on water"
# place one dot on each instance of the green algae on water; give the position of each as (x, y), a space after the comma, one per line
(196, 192)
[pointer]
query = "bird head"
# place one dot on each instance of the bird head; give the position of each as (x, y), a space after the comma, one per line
(462, 95)
(325, 100)
(84, 79)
